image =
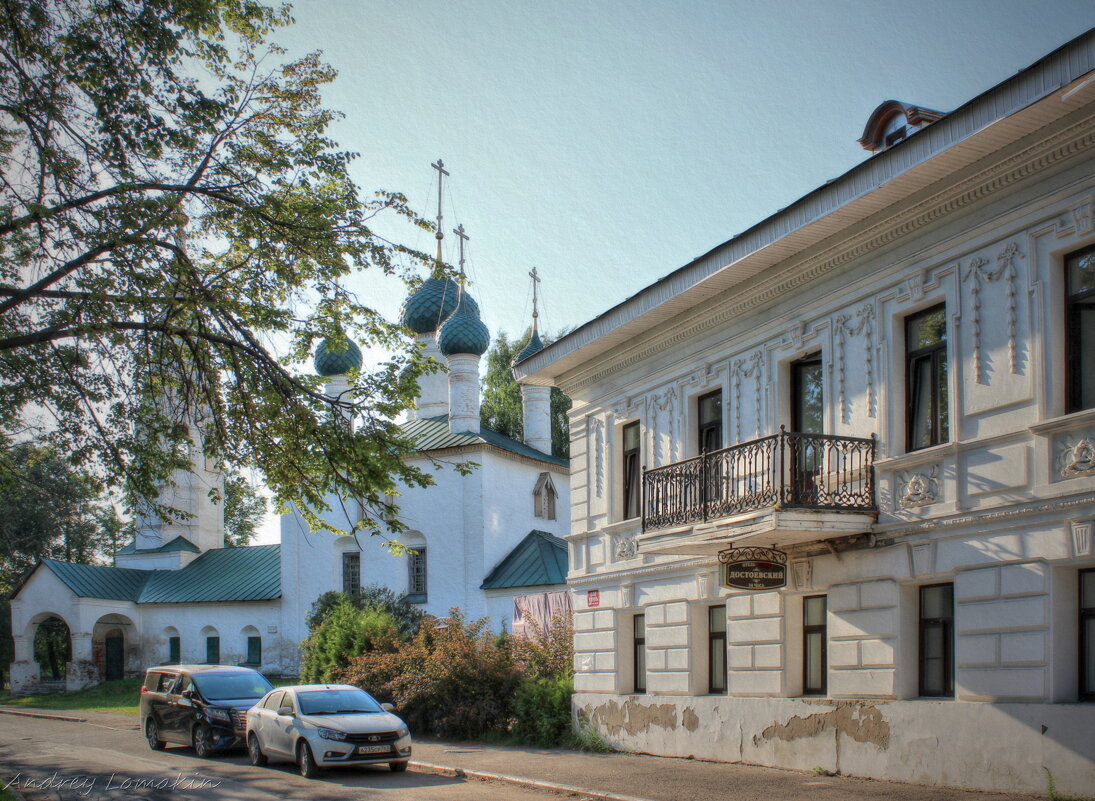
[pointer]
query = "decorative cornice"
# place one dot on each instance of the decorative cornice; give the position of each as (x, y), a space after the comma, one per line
(1063, 145)
(1015, 511)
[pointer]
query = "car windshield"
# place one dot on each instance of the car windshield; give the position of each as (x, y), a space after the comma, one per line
(336, 702)
(220, 686)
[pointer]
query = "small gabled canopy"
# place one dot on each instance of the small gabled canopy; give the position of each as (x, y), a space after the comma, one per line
(539, 559)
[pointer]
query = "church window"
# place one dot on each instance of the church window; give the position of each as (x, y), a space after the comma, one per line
(417, 583)
(174, 650)
(351, 573)
(254, 650)
(1080, 330)
(212, 650)
(543, 496)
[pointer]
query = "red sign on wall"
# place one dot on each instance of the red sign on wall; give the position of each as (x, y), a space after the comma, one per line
(593, 597)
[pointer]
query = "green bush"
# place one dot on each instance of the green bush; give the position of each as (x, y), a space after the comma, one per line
(452, 679)
(407, 616)
(345, 632)
(541, 711)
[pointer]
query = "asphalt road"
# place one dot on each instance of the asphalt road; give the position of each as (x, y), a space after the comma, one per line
(49, 760)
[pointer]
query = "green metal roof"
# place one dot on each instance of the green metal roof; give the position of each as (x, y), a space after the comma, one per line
(540, 558)
(222, 574)
(94, 581)
(432, 434)
(177, 544)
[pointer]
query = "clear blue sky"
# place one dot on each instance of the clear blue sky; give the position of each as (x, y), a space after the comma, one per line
(608, 143)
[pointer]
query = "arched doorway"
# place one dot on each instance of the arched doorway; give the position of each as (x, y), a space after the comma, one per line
(52, 648)
(110, 638)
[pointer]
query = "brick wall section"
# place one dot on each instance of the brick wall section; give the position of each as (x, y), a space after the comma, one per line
(754, 636)
(863, 625)
(667, 658)
(1002, 633)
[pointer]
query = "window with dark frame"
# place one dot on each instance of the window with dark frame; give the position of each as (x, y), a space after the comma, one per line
(416, 584)
(174, 650)
(1080, 330)
(926, 378)
(716, 649)
(709, 408)
(639, 640)
(351, 573)
(212, 650)
(254, 650)
(1087, 635)
(814, 645)
(937, 640)
(631, 470)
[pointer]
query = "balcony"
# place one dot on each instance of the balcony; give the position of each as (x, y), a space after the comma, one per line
(782, 489)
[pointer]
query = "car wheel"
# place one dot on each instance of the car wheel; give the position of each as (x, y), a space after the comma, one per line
(254, 750)
(203, 741)
(152, 734)
(307, 763)
(397, 767)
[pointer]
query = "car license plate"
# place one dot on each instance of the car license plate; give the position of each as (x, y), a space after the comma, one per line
(373, 749)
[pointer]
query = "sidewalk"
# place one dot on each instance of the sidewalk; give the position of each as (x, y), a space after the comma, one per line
(628, 777)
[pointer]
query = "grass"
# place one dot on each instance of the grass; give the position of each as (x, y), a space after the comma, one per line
(5, 794)
(120, 697)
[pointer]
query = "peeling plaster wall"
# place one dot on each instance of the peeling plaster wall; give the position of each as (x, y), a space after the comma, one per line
(928, 742)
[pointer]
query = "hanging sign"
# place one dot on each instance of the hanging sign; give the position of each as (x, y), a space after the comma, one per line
(754, 568)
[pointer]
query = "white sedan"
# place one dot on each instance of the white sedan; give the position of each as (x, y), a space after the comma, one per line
(326, 725)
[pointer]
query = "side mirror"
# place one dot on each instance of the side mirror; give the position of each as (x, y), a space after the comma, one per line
(188, 695)
(387, 707)
(286, 711)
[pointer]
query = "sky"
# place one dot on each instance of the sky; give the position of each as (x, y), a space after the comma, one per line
(608, 143)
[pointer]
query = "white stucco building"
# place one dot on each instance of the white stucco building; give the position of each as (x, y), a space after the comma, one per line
(487, 541)
(891, 385)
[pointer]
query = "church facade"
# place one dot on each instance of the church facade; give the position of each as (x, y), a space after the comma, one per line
(487, 542)
(833, 483)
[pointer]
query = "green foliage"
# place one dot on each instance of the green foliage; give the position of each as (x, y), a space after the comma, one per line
(546, 653)
(243, 509)
(346, 631)
(49, 510)
(171, 203)
(541, 710)
(52, 649)
(1053, 795)
(407, 616)
(501, 408)
(451, 679)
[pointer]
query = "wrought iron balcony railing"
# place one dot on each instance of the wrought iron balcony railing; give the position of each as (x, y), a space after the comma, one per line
(787, 470)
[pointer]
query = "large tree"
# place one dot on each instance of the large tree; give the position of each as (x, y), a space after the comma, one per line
(501, 409)
(175, 223)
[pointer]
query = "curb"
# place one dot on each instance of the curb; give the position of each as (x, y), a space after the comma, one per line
(480, 775)
(47, 716)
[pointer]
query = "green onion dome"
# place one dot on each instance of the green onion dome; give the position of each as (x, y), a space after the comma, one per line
(534, 346)
(329, 362)
(425, 309)
(464, 332)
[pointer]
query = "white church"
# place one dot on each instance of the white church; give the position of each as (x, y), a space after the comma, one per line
(487, 542)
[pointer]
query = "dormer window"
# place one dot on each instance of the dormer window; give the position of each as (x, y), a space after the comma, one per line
(892, 122)
(543, 497)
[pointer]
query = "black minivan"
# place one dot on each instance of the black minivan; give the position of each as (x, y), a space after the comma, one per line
(200, 705)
